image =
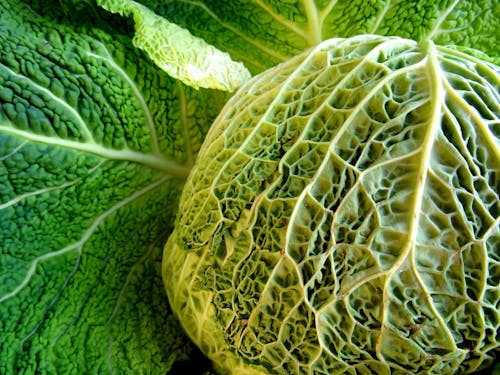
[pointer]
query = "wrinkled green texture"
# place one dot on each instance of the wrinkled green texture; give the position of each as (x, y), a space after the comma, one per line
(95, 142)
(262, 33)
(343, 216)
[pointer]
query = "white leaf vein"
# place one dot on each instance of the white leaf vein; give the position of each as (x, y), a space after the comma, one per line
(29, 82)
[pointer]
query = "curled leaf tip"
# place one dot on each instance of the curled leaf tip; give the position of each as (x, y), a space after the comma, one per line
(179, 53)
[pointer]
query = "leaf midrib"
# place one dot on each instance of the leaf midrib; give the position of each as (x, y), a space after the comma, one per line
(157, 162)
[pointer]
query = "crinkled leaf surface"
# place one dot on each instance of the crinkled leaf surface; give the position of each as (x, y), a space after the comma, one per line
(95, 142)
(175, 50)
(344, 216)
(262, 33)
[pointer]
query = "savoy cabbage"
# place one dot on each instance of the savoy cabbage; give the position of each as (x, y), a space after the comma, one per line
(343, 216)
(102, 119)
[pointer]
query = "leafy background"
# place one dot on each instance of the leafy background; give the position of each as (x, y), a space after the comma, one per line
(95, 142)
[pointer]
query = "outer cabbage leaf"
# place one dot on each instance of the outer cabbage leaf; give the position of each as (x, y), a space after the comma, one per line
(262, 33)
(343, 216)
(178, 52)
(95, 142)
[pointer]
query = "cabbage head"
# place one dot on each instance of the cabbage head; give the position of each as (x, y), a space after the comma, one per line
(343, 216)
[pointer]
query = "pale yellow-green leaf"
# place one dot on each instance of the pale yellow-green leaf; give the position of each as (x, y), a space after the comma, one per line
(174, 49)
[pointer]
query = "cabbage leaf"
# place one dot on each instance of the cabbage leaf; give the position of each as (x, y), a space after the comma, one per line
(262, 33)
(180, 54)
(95, 142)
